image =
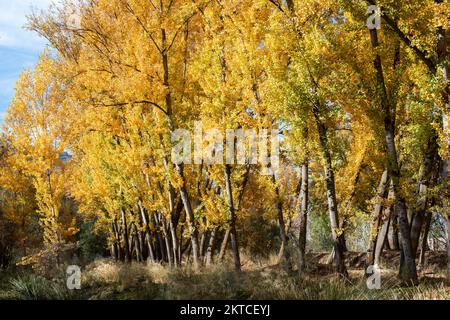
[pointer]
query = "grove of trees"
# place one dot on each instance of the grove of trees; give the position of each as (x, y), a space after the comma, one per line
(362, 116)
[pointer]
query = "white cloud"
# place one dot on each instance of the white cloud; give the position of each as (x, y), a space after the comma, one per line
(13, 19)
(19, 48)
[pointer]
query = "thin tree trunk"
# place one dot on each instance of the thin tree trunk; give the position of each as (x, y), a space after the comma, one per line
(116, 244)
(223, 246)
(348, 205)
(137, 243)
(382, 193)
(226, 238)
(179, 167)
(173, 235)
(447, 219)
(339, 257)
(203, 244)
(284, 250)
(425, 179)
(148, 232)
(393, 232)
(159, 242)
(180, 242)
(424, 242)
(381, 239)
(166, 240)
(125, 237)
(303, 199)
(232, 219)
(172, 229)
(210, 249)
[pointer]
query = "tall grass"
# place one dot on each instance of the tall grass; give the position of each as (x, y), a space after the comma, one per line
(105, 279)
(35, 287)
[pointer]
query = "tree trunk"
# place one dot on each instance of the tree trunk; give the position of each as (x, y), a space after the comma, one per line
(223, 247)
(116, 244)
(393, 232)
(179, 167)
(447, 219)
(283, 254)
(408, 272)
(166, 240)
(190, 220)
(339, 257)
(210, 249)
(232, 219)
(425, 180)
(171, 227)
(349, 202)
(382, 193)
(148, 233)
(125, 237)
(303, 199)
(424, 242)
(382, 234)
(159, 242)
(138, 246)
(203, 244)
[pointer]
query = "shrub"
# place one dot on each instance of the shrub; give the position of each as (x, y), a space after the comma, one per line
(36, 287)
(91, 244)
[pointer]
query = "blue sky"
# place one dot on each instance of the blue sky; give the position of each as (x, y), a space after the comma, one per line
(19, 48)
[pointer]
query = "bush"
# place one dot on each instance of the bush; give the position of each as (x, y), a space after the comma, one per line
(91, 244)
(320, 232)
(51, 261)
(258, 237)
(35, 287)
(6, 243)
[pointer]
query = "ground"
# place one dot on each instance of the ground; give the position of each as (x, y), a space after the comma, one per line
(259, 279)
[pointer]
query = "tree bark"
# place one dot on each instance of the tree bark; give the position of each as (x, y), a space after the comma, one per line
(203, 244)
(448, 245)
(159, 241)
(179, 168)
(283, 254)
(424, 242)
(393, 232)
(223, 247)
(148, 233)
(116, 244)
(210, 249)
(226, 238)
(382, 193)
(303, 199)
(166, 240)
(137, 243)
(425, 180)
(339, 257)
(408, 271)
(125, 237)
(232, 219)
(382, 234)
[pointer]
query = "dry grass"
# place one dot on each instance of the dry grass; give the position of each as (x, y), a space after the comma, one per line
(258, 280)
(105, 279)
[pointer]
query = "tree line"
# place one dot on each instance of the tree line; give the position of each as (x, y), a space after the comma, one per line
(362, 115)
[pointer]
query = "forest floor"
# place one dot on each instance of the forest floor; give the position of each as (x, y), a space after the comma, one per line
(259, 279)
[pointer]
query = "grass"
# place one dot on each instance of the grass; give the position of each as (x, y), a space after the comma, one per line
(105, 279)
(35, 287)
